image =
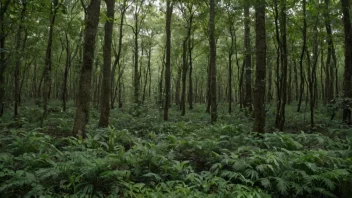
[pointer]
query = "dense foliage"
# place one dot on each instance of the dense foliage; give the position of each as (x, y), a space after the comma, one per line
(186, 157)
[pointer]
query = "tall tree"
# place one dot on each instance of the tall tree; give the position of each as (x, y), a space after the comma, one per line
(247, 59)
(212, 62)
(83, 97)
(282, 96)
(106, 86)
(54, 6)
(123, 9)
(260, 51)
(169, 8)
(330, 64)
(347, 77)
(304, 46)
(3, 8)
(20, 53)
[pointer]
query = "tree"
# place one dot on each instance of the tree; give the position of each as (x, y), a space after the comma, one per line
(304, 33)
(260, 51)
(347, 77)
(169, 8)
(83, 97)
(3, 62)
(54, 6)
(282, 45)
(212, 62)
(123, 9)
(247, 59)
(18, 60)
(330, 63)
(106, 86)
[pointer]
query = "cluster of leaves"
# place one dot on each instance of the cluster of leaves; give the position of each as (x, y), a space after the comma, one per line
(148, 158)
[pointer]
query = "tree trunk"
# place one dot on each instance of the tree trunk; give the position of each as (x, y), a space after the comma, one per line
(3, 64)
(190, 64)
(83, 96)
(169, 8)
(18, 59)
(230, 68)
(212, 48)
(47, 68)
(106, 84)
(329, 67)
(184, 77)
(118, 57)
(248, 59)
(260, 50)
(304, 33)
(280, 122)
(136, 57)
(347, 77)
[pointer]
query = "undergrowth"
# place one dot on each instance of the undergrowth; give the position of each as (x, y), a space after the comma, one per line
(186, 157)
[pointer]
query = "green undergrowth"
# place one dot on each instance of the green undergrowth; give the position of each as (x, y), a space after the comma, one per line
(186, 157)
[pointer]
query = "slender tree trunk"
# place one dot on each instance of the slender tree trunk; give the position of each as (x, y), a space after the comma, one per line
(66, 72)
(3, 62)
(329, 79)
(106, 84)
(136, 57)
(117, 57)
(18, 60)
(347, 77)
(230, 69)
(190, 64)
(47, 68)
(283, 83)
(161, 80)
(260, 47)
(212, 48)
(248, 59)
(304, 46)
(169, 8)
(184, 77)
(83, 96)
(178, 84)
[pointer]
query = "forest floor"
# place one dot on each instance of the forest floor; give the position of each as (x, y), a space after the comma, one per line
(143, 156)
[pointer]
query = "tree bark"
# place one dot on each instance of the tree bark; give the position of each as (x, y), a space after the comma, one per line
(83, 96)
(19, 57)
(106, 84)
(47, 69)
(280, 119)
(329, 70)
(169, 8)
(212, 48)
(347, 77)
(260, 47)
(117, 58)
(3, 64)
(304, 46)
(184, 77)
(248, 59)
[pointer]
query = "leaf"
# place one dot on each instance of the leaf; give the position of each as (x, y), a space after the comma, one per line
(265, 182)
(282, 185)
